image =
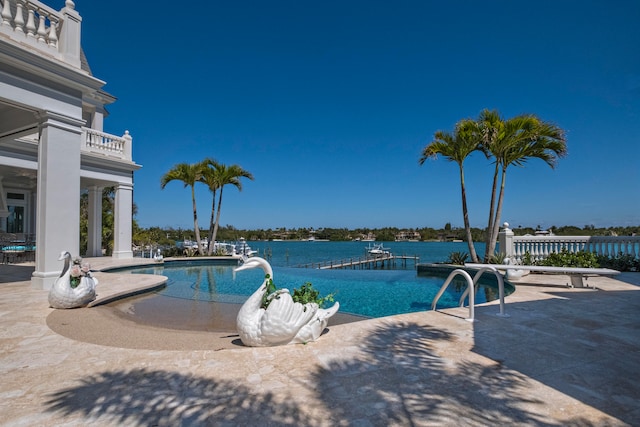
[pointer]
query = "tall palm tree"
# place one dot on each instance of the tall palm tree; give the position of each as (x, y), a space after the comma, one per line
(456, 147)
(489, 129)
(514, 142)
(227, 175)
(189, 174)
(210, 178)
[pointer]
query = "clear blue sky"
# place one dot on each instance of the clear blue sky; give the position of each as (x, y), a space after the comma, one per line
(329, 103)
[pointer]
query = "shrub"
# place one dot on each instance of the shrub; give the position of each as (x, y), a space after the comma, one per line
(457, 258)
(527, 259)
(621, 262)
(171, 252)
(565, 258)
(497, 258)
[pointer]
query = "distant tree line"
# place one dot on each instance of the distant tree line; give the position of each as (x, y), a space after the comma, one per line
(169, 236)
(158, 236)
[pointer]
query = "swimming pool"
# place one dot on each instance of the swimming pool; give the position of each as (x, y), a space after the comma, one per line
(371, 293)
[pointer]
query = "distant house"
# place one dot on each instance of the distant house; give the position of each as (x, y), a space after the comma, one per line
(52, 144)
(408, 236)
(544, 233)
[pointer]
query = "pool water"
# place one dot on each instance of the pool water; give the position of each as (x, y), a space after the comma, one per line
(371, 293)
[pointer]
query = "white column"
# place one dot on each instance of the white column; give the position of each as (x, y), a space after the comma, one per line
(94, 226)
(58, 196)
(122, 219)
(505, 238)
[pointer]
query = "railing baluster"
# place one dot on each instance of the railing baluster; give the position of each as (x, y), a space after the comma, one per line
(53, 33)
(539, 247)
(42, 31)
(31, 23)
(6, 13)
(19, 19)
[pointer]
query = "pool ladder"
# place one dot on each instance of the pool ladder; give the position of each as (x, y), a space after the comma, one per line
(471, 284)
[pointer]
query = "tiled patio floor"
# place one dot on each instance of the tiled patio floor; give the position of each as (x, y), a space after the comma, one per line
(563, 357)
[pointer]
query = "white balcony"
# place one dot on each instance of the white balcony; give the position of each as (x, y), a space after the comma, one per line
(39, 27)
(101, 143)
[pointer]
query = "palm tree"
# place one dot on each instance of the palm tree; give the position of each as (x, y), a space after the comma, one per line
(456, 147)
(189, 174)
(514, 142)
(227, 175)
(210, 178)
(489, 128)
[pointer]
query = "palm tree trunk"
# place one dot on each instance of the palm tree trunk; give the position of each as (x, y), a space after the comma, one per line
(492, 217)
(196, 229)
(496, 224)
(215, 229)
(212, 240)
(465, 214)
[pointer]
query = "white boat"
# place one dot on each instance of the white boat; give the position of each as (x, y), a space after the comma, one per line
(243, 248)
(377, 249)
(190, 244)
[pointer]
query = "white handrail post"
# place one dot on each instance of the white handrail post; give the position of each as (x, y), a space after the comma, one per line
(69, 43)
(500, 293)
(128, 142)
(472, 298)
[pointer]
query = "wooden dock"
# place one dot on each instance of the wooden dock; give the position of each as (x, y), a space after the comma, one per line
(369, 262)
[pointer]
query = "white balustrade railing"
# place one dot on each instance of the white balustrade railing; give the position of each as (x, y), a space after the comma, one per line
(32, 19)
(539, 247)
(107, 144)
(614, 245)
(34, 23)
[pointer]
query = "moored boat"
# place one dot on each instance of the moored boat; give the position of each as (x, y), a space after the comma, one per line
(243, 248)
(377, 249)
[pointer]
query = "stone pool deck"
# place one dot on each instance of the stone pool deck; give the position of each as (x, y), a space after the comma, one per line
(562, 357)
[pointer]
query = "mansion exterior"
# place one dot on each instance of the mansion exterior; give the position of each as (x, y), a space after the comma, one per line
(52, 144)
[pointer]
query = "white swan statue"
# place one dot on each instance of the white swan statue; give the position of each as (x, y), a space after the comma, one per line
(63, 295)
(283, 321)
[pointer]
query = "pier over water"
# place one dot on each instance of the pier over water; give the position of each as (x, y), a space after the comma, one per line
(370, 262)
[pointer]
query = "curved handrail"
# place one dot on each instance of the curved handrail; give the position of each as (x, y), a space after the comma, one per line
(467, 277)
(471, 285)
(500, 287)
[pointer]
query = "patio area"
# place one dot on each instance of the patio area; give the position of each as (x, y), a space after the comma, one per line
(562, 357)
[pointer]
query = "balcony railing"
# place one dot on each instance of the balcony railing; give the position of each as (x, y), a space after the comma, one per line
(33, 23)
(539, 247)
(106, 144)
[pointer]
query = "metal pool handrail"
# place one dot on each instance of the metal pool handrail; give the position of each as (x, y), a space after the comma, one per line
(471, 285)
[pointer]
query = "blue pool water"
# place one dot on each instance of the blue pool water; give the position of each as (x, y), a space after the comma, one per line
(372, 293)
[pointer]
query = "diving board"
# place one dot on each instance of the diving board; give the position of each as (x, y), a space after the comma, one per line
(575, 273)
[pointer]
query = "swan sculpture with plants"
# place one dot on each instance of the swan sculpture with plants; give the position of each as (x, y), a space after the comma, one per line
(75, 287)
(273, 316)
